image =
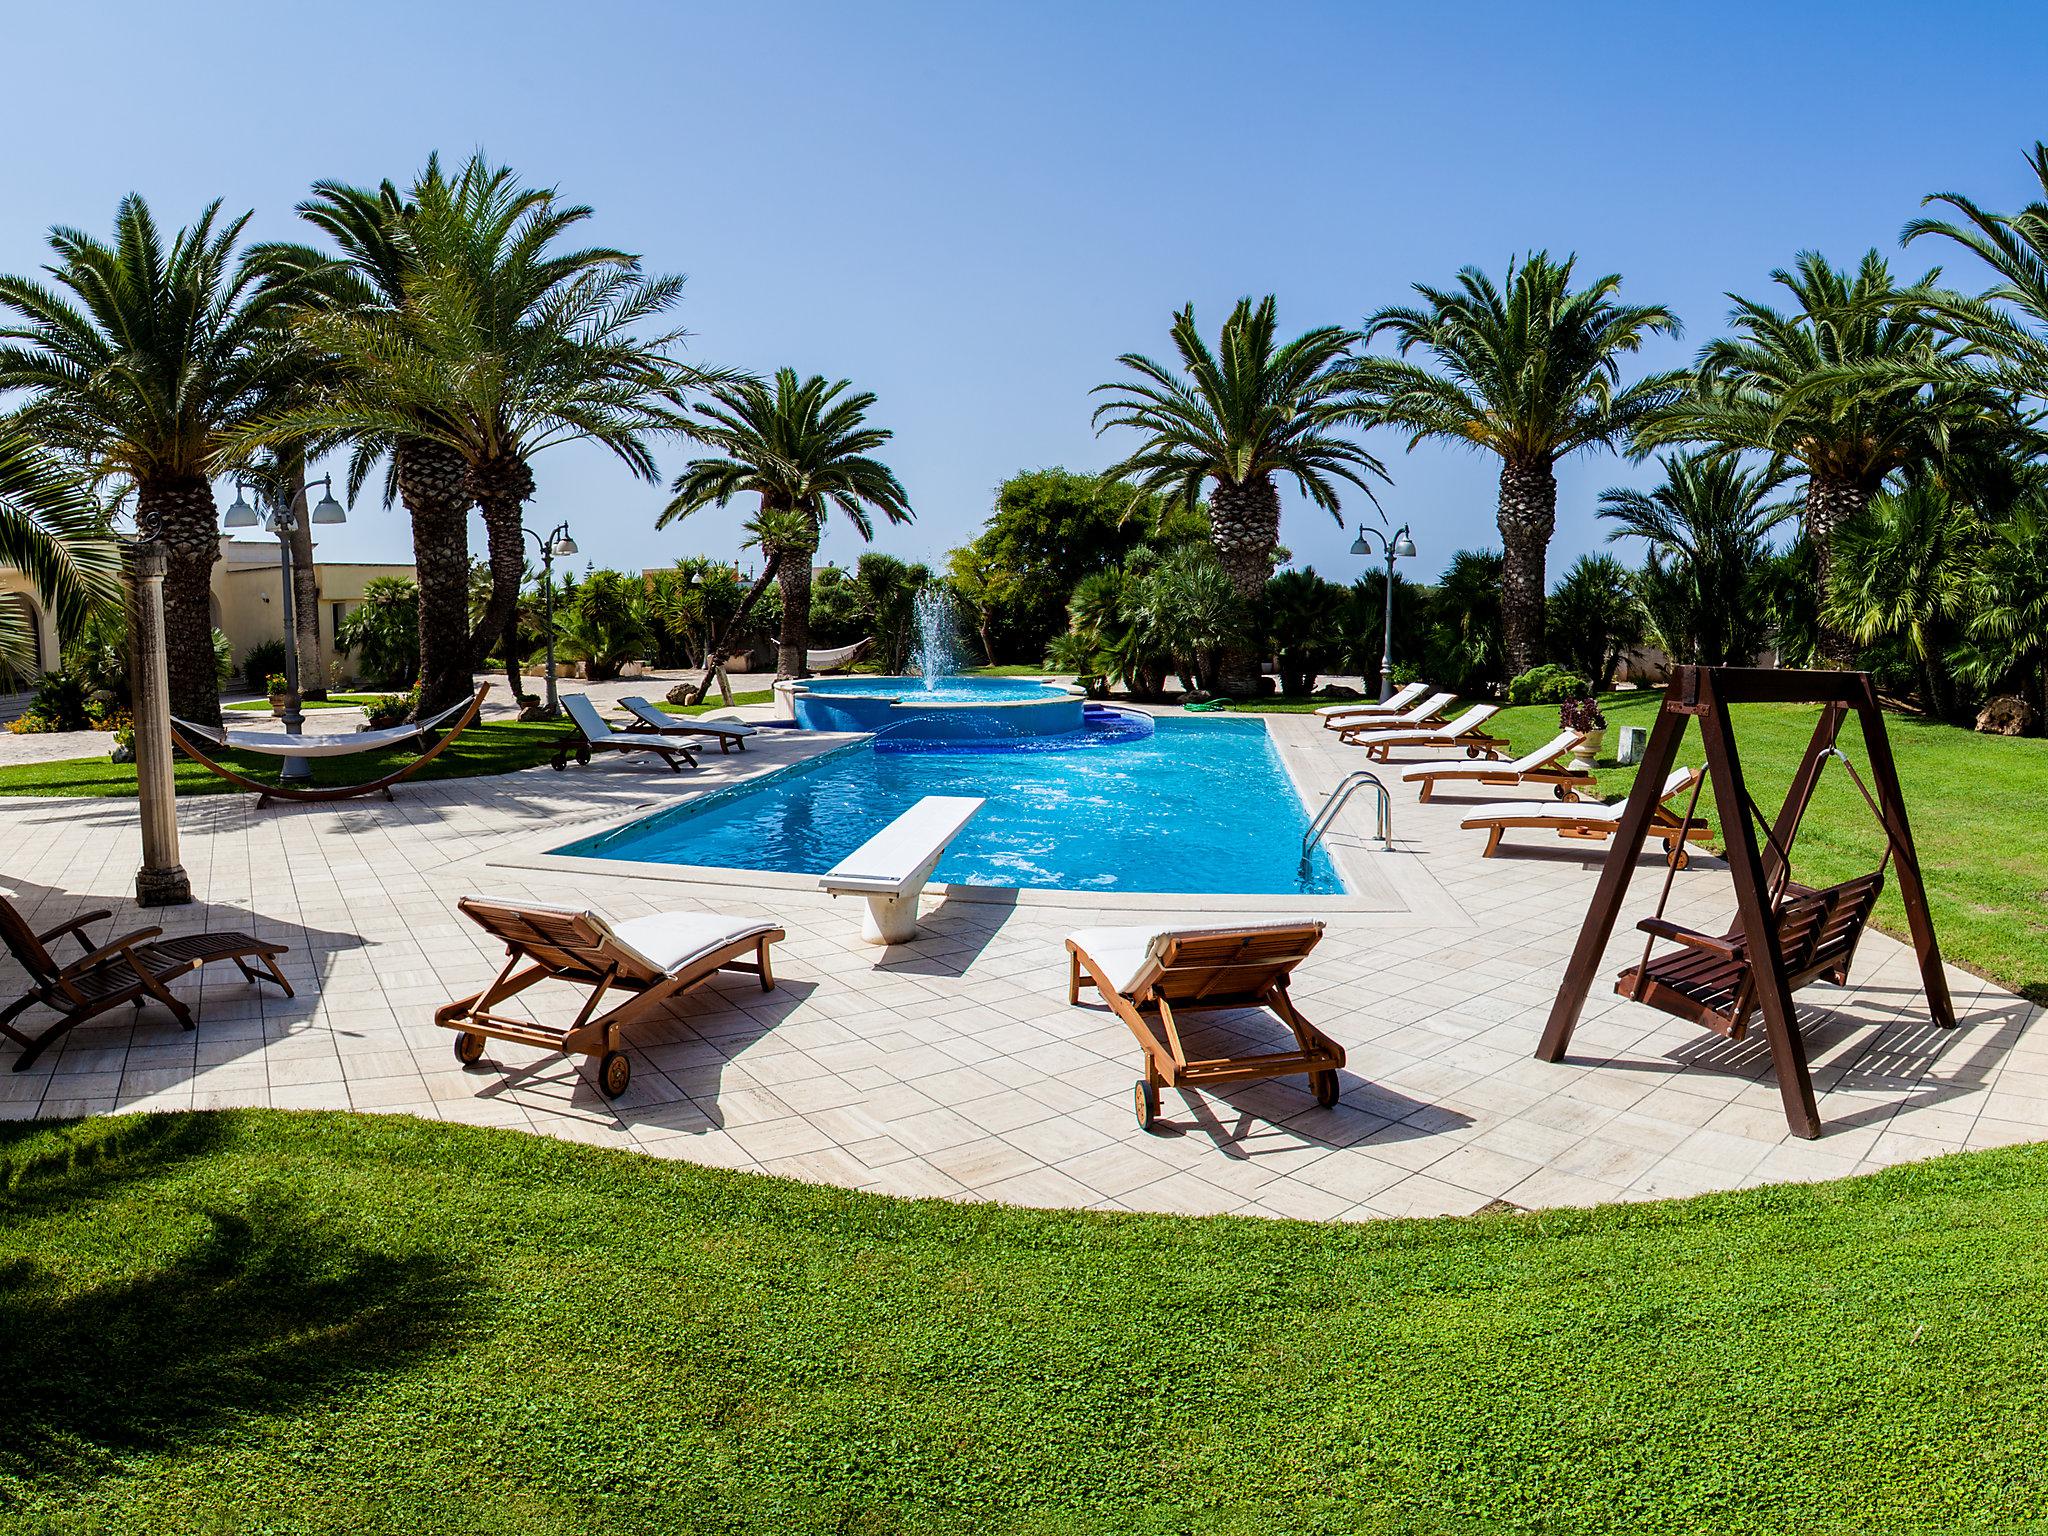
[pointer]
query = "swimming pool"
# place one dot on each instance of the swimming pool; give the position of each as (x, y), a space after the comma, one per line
(947, 708)
(1197, 807)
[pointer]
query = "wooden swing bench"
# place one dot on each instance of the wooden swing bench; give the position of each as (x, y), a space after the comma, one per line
(1785, 935)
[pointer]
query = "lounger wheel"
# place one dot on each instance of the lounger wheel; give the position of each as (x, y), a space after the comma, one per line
(1145, 1099)
(559, 761)
(469, 1048)
(1326, 1088)
(583, 756)
(613, 1073)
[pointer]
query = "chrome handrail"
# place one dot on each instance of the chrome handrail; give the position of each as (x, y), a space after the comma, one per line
(1349, 785)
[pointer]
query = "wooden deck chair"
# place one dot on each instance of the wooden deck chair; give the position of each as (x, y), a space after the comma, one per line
(1427, 714)
(591, 734)
(729, 734)
(1546, 765)
(1593, 821)
(1464, 734)
(1151, 977)
(1360, 709)
(653, 959)
(130, 969)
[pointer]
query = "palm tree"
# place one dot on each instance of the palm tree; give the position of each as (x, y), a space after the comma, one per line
(1593, 618)
(1531, 373)
(1708, 529)
(145, 364)
(1233, 421)
(804, 447)
(54, 533)
(463, 342)
(1903, 571)
(1851, 385)
(2015, 246)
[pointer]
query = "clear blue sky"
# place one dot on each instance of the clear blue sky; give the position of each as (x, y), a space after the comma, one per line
(971, 210)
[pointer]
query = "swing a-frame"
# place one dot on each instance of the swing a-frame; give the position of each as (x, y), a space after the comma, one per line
(1785, 934)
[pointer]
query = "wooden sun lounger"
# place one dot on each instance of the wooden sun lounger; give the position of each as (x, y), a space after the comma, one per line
(730, 734)
(1151, 978)
(1460, 735)
(130, 969)
(591, 734)
(1393, 704)
(1546, 765)
(654, 959)
(1429, 713)
(890, 869)
(1592, 821)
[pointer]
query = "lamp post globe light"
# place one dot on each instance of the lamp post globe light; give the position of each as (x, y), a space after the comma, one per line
(1398, 546)
(282, 520)
(556, 544)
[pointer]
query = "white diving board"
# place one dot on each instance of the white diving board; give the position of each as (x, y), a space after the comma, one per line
(891, 868)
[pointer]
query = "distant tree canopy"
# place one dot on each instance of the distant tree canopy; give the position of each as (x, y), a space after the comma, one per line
(1051, 528)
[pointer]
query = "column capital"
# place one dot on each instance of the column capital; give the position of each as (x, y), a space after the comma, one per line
(144, 559)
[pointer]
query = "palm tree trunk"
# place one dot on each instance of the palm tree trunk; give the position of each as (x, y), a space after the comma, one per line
(435, 485)
(721, 642)
(503, 487)
(1830, 502)
(305, 587)
(795, 581)
(1244, 525)
(180, 515)
(1528, 515)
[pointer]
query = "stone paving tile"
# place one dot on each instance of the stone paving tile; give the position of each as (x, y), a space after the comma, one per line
(953, 1068)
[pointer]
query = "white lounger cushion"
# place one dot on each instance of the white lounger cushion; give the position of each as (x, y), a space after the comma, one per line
(1471, 720)
(1407, 719)
(1127, 955)
(1463, 768)
(670, 941)
(660, 718)
(1392, 705)
(1569, 811)
(591, 724)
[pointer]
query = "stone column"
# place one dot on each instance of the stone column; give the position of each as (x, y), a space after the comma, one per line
(161, 882)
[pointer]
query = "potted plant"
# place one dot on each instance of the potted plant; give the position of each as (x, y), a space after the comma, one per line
(279, 691)
(1584, 715)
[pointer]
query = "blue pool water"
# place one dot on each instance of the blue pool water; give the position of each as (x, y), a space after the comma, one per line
(943, 709)
(1199, 806)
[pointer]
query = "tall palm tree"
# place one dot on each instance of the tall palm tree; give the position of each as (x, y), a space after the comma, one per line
(1708, 529)
(1851, 385)
(804, 447)
(144, 364)
(2015, 246)
(1530, 372)
(53, 532)
(463, 342)
(1234, 421)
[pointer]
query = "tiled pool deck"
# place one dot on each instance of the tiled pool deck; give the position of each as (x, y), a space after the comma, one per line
(954, 1067)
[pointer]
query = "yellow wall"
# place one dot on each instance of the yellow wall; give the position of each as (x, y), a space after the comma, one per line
(16, 591)
(248, 599)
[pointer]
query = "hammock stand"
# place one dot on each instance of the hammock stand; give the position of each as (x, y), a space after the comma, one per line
(186, 735)
(1785, 934)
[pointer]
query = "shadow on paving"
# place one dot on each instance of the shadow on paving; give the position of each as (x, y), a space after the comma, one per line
(262, 1311)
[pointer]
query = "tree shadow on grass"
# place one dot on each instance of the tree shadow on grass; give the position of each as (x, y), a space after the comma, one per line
(262, 1312)
(92, 1159)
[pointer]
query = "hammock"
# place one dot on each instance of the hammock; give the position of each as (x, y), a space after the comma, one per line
(341, 744)
(826, 661)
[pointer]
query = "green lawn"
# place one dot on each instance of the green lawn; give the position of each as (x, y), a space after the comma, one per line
(332, 701)
(256, 1321)
(485, 748)
(757, 696)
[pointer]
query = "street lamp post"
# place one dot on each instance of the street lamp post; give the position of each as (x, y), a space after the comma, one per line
(1401, 546)
(282, 520)
(556, 543)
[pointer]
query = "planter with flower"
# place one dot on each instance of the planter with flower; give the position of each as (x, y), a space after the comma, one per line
(1584, 715)
(280, 691)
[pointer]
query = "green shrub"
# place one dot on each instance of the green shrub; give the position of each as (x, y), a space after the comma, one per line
(1548, 684)
(383, 633)
(260, 660)
(60, 704)
(389, 709)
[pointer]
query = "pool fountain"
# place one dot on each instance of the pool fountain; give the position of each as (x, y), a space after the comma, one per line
(936, 705)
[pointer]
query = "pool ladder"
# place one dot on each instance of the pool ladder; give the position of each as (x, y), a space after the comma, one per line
(1351, 783)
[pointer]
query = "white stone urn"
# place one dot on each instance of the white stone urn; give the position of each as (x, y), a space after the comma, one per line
(1587, 757)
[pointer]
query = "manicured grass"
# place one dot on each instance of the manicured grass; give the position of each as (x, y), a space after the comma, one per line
(1008, 669)
(485, 748)
(257, 1321)
(756, 696)
(332, 701)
